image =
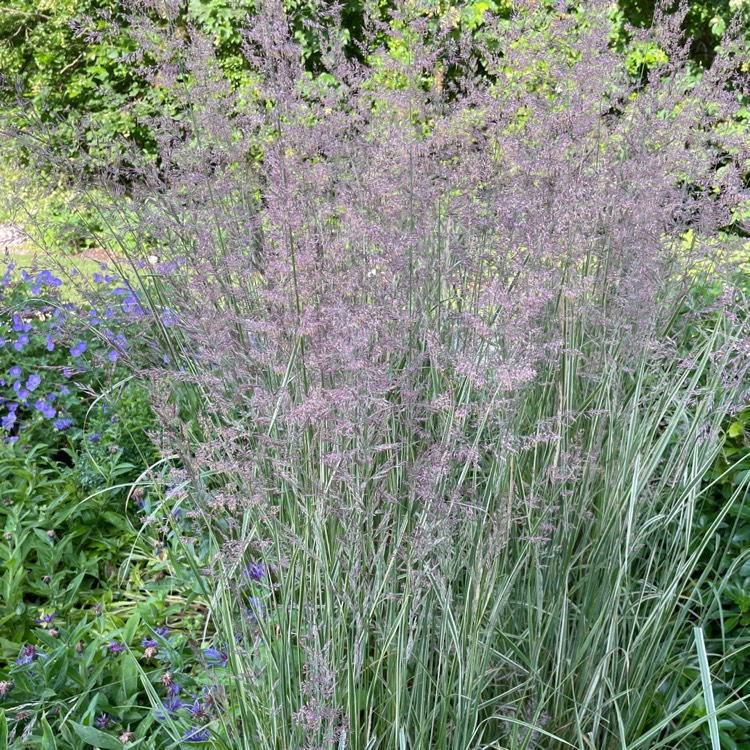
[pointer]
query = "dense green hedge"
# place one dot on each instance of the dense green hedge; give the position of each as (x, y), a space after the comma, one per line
(72, 59)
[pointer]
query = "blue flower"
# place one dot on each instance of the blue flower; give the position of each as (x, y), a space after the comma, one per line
(6, 277)
(97, 278)
(50, 343)
(78, 349)
(170, 705)
(63, 424)
(130, 305)
(46, 619)
(67, 372)
(196, 734)
(2, 341)
(7, 422)
(215, 657)
(198, 710)
(255, 571)
(113, 356)
(33, 382)
(162, 632)
(149, 643)
(115, 647)
(15, 371)
(28, 654)
(47, 410)
(168, 318)
(64, 391)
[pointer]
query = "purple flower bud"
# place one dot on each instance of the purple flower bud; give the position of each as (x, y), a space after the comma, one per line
(103, 721)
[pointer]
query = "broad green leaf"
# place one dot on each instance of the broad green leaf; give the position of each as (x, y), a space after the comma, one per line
(48, 737)
(129, 631)
(95, 737)
(129, 675)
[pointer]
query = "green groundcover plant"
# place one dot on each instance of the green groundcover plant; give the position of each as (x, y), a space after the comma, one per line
(100, 635)
(446, 437)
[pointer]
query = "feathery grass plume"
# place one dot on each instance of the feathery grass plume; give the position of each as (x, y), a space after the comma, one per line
(426, 368)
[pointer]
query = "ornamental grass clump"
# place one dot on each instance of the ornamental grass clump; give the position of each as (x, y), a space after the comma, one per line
(440, 417)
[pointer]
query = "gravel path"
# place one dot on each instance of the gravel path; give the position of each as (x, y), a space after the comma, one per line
(11, 236)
